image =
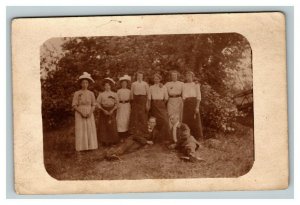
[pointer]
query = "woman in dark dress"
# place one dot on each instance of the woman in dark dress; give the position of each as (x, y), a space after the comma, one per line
(158, 96)
(191, 96)
(108, 104)
(139, 105)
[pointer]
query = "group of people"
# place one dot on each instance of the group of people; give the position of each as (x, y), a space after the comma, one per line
(139, 115)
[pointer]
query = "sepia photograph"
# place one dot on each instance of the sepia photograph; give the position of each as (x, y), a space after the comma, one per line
(147, 106)
(150, 103)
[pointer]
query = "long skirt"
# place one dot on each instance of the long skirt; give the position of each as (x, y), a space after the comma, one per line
(107, 128)
(175, 106)
(123, 115)
(85, 130)
(159, 111)
(192, 120)
(139, 115)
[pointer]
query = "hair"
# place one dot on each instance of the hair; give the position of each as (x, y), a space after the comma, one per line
(190, 72)
(80, 80)
(112, 86)
(151, 117)
(185, 127)
(139, 72)
(174, 71)
(157, 75)
(120, 84)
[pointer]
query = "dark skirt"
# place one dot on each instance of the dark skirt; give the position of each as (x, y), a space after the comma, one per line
(192, 120)
(139, 115)
(107, 128)
(159, 111)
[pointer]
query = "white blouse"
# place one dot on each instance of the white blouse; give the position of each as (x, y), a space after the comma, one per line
(191, 90)
(158, 93)
(139, 88)
(108, 98)
(123, 94)
(174, 88)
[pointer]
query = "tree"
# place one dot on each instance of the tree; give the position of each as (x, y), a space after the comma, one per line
(221, 62)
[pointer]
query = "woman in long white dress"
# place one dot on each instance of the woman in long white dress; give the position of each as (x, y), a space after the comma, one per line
(84, 103)
(124, 108)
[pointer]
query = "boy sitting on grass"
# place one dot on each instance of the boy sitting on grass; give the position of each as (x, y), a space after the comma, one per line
(184, 142)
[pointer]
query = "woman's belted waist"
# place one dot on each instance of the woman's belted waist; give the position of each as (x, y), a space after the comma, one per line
(174, 96)
(124, 101)
(107, 106)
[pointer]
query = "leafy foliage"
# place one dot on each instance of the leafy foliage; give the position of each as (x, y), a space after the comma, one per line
(221, 62)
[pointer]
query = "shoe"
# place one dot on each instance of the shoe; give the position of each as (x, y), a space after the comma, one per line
(185, 158)
(113, 158)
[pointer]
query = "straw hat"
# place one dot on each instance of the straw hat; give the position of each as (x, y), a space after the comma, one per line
(87, 76)
(125, 77)
(110, 80)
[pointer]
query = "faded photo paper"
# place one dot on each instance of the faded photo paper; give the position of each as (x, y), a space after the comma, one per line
(194, 102)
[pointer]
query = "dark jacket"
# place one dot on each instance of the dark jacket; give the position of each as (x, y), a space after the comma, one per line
(150, 136)
(184, 141)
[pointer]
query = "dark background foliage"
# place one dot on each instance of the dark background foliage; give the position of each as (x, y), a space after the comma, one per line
(221, 62)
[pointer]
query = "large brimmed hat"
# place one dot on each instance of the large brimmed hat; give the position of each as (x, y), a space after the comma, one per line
(110, 80)
(125, 77)
(87, 76)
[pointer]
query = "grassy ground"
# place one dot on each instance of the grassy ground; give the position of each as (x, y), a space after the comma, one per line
(226, 155)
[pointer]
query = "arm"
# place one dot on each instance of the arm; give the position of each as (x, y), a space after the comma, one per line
(183, 92)
(116, 104)
(166, 96)
(98, 102)
(75, 104)
(197, 87)
(131, 91)
(93, 105)
(148, 91)
(140, 139)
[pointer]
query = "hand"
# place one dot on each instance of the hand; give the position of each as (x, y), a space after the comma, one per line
(88, 115)
(83, 115)
(172, 146)
(150, 142)
(197, 110)
(147, 107)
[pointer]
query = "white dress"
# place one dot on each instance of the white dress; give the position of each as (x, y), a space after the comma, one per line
(85, 128)
(124, 109)
(175, 103)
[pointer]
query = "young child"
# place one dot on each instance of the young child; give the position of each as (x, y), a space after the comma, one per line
(134, 142)
(183, 141)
